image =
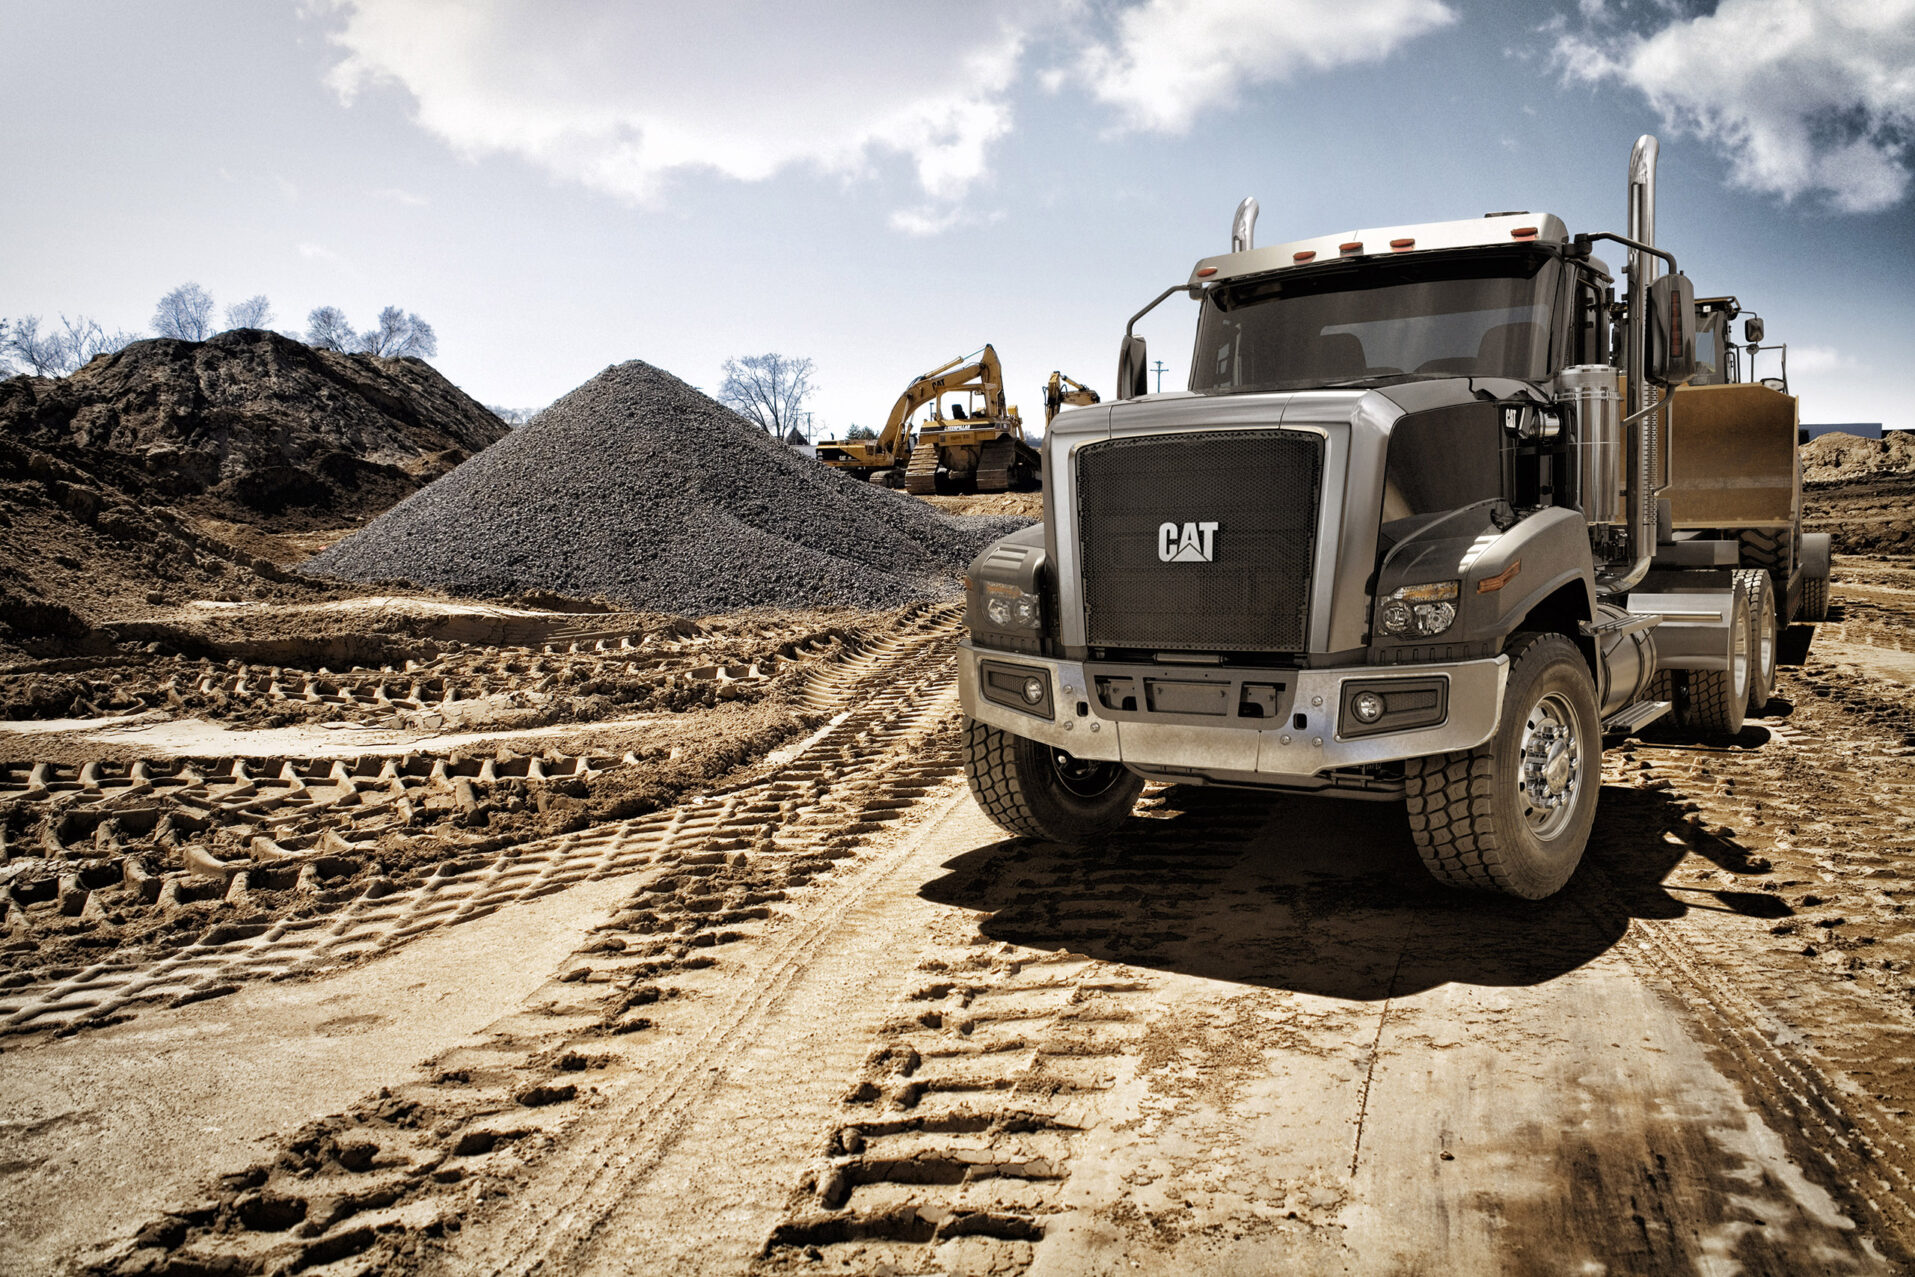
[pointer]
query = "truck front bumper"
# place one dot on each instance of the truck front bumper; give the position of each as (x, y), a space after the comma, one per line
(1295, 748)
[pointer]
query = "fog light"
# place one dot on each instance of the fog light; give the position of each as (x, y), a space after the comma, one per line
(1033, 690)
(1367, 706)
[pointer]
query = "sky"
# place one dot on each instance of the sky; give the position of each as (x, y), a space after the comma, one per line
(884, 185)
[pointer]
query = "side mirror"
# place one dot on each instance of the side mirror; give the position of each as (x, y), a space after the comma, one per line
(1133, 368)
(1670, 359)
(1752, 330)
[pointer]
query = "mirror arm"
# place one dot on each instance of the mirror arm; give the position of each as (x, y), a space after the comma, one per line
(1174, 288)
(1638, 245)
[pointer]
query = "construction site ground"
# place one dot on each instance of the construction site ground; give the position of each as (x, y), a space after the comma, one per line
(589, 942)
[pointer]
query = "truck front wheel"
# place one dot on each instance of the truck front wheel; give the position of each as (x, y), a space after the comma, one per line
(1514, 814)
(1031, 788)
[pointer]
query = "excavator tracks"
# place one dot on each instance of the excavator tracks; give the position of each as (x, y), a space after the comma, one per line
(921, 473)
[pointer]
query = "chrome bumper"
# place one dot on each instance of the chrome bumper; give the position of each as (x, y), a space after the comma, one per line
(1281, 753)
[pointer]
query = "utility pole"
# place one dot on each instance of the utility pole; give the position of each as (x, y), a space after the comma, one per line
(1158, 368)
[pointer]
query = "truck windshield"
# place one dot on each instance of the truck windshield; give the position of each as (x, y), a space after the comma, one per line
(1481, 314)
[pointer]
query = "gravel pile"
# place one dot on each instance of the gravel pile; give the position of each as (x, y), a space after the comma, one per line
(638, 488)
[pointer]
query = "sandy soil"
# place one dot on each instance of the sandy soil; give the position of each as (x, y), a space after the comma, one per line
(743, 981)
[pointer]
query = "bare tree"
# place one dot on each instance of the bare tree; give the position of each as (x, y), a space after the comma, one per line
(186, 313)
(6, 334)
(400, 333)
(84, 339)
(769, 390)
(327, 329)
(254, 312)
(42, 354)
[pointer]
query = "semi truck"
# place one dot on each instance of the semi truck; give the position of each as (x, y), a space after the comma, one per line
(1442, 511)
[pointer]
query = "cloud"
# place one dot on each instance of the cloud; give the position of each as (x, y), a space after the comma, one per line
(1804, 97)
(399, 196)
(1172, 60)
(1820, 359)
(626, 98)
(621, 97)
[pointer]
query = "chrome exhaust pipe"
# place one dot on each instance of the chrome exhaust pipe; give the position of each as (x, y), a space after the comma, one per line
(1243, 228)
(1641, 541)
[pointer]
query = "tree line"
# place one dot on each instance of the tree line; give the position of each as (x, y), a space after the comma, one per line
(186, 314)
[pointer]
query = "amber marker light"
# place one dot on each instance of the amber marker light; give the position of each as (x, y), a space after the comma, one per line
(1354, 246)
(1523, 232)
(1205, 272)
(1491, 584)
(1304, 256)
(1400, 245)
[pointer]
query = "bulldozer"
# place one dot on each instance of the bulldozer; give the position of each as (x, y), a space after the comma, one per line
(980, 445)
(1061, 392)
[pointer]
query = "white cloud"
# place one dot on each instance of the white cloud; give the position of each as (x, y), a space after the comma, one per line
(1804, 96)
(625, 97)
(1810, 360)
(622, 96)
(400, 196)
(1171, 60)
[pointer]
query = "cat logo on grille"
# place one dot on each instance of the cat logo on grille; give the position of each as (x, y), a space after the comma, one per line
(1185, 543)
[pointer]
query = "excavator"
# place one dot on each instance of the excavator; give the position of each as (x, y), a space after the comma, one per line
(980, 446)
(1060, 391)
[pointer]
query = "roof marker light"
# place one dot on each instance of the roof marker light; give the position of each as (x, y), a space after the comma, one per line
(1523, 232)
(1304, 256)
(1401, 244)
(1354, 246)
(1205, 272)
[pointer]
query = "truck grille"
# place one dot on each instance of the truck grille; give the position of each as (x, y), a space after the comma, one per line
(1260, 490)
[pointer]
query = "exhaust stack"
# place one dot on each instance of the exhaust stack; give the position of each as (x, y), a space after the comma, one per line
(1641, 541)
(1243, 229)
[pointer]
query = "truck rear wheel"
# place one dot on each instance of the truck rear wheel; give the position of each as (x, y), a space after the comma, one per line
(1031, 788)
(1718, 700)
(1815, 600)
(1514, 814)
(1759, 590)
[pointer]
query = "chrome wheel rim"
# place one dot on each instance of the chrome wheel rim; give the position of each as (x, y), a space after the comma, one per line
(1739, 663)
(1552, 766)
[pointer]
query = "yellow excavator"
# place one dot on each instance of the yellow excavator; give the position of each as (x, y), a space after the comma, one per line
(1061, 390)
(979, 445)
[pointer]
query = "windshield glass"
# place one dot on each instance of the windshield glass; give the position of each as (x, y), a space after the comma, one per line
(1484, 315)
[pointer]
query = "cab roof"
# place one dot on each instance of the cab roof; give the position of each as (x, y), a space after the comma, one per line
(1495, 231)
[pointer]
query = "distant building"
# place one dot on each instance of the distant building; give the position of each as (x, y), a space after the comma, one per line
(1860, 429)
(799, 444)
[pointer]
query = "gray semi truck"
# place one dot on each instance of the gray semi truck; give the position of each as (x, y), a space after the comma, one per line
(1439, 514)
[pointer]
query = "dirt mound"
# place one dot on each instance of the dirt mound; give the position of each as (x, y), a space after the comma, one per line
(252, 426)
(637, 488)
(1840, 458)
(76, 553)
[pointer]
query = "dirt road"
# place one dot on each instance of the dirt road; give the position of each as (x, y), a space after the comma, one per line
(826, 1019)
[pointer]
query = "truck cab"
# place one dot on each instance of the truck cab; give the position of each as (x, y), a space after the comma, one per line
(1398, 539)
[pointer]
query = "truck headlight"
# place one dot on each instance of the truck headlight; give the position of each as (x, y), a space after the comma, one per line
(1008, 606)
(1418, 611)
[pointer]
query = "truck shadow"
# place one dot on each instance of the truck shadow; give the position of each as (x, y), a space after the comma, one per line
(1327, 897)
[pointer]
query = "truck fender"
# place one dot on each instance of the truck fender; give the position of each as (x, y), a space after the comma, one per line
(1518, 581)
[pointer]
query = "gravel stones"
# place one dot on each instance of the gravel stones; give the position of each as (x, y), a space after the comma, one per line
(637, 487)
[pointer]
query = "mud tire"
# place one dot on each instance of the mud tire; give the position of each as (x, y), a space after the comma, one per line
(1717, 701)
(1765, 635)
(1030, 788)
(1815, 601)
(1472, 822)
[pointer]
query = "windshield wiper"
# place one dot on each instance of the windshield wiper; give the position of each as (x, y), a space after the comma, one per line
(1378, 378)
